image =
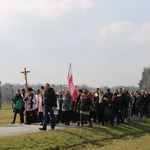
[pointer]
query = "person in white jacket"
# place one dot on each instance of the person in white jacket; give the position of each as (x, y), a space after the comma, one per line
(56, 111)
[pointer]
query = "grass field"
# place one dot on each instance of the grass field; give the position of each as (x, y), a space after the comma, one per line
(130, 143)
(132, 135)
(6, 114)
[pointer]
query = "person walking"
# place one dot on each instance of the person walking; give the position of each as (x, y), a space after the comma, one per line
(67, 106)
(29, 100)
(50, 104)
(84, 108)
(18, 107)
(101, 105)
(40, 100)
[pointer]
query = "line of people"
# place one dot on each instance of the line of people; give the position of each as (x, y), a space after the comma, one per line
(47, 107)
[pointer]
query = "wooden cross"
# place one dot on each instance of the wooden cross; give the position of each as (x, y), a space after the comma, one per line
(25, 74)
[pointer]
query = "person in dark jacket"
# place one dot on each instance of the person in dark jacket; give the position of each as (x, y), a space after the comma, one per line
(108, 95)
(94, 110)
(134, 109)
(123, 104)
(101, 106)
(18, 107)
(76, 105)
(148, 104)
(50, 104)
(84, 107)
(114, 105)
(137, 102)
(142, 103)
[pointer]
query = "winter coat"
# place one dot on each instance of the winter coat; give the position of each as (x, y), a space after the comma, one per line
(50, 98)
(115, 103)
(84, 104)
(142, 100)
(123, 99)
(103, 105)
(18, 102)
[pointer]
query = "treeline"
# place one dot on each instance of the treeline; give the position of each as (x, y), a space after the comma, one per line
(8, 90)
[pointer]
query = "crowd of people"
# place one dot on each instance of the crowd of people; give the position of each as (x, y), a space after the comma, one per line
(45, 106)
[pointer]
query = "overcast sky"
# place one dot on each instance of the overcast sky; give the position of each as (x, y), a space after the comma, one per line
(106, 41)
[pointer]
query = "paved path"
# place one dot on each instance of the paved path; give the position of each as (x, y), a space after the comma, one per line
(15, 129)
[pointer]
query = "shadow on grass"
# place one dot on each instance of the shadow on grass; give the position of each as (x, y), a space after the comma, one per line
(104, 134)
(86, 139)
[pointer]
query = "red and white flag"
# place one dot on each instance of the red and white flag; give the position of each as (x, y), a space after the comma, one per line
(70, 84)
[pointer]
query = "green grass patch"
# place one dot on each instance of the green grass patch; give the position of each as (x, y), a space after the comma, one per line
(129, 143)
(84, 138)
(7, 106)
(6, 116)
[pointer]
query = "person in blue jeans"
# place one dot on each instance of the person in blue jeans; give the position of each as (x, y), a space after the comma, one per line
(50, 104)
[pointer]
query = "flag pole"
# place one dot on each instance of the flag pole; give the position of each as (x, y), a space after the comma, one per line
(69, 70)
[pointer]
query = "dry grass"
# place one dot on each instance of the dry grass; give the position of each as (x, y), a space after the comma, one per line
(6, 114)
(129, 143)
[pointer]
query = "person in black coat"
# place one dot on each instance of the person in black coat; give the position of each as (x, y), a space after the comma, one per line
(94, 110)
(122, 96)
(76, 106)
(101, 106)
(84, 107)
(142, 104)
(114, 106)
(147, 104)
(50, 104)
(18, 107)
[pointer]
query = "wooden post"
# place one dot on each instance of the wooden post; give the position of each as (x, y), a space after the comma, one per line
(26, 81)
